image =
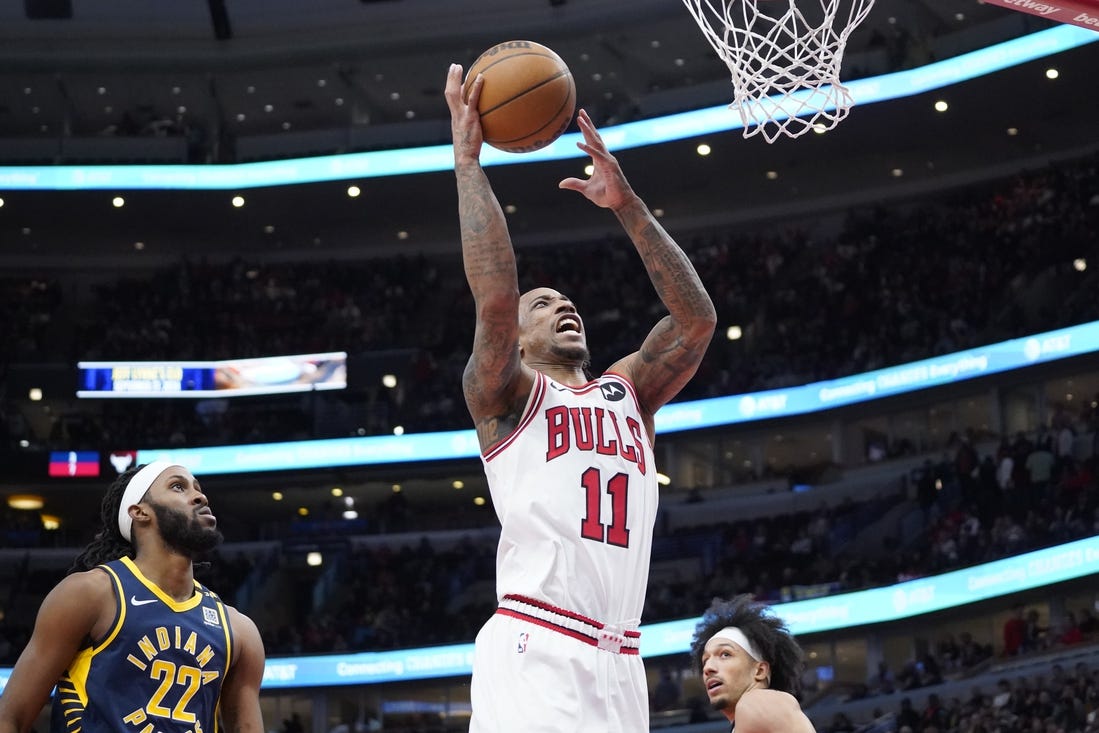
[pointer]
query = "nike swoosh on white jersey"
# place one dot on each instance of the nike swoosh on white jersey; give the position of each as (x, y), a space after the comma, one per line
(135, 602)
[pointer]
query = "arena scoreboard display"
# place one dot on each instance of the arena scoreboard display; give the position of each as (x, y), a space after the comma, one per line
(231, 378)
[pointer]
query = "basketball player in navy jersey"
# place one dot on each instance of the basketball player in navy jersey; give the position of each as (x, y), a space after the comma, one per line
(751, 667)
(132, 641)
(569, 459)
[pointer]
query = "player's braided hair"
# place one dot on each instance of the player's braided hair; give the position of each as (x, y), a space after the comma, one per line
(765, 630)
(109, 544)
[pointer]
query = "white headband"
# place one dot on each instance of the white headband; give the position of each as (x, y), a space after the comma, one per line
(136, 489)
(733, 634)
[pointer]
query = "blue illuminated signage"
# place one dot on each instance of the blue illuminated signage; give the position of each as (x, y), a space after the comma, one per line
(816, 397)
(979, 362)
(877, 605)
(441, 157)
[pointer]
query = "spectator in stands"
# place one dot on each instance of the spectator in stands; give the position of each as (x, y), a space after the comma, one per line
(750, 666)
(1015, 632)
(908, 716)
(1040, 705)
(840, 724)
(934, 714)
(665, 695)
(293, 724)
(972, 653)
(1039, 465)
(966, 462)
(1066, 439)
(949, 652)
(1088, 624)
(820, 529)
(1069, 630)
(1034, 637)
(1068, 709)
(930, 672)
(927, 488)
(881, 682)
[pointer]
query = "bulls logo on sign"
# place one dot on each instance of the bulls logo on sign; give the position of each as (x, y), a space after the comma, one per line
(123, 459)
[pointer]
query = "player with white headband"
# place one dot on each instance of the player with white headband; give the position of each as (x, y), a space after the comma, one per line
(135, 583)
(751, 667)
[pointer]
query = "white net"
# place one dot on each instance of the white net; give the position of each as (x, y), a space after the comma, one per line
(785, 57)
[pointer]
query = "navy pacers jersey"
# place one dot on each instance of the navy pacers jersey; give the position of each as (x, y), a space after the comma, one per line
(158, 670)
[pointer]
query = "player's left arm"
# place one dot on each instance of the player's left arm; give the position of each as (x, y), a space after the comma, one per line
(771, 711)
(240, 710)
(671, 353)
(674, 348)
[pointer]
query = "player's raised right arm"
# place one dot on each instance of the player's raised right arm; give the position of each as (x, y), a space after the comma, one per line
(493, 374)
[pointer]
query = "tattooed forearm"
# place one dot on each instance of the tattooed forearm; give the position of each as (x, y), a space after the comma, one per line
(671, 272)
(486, 247)
(674, 348)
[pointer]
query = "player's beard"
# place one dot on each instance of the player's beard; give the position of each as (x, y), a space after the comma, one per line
(573, 352)
(184, 532)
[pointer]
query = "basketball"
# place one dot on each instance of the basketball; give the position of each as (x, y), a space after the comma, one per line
(528, 96)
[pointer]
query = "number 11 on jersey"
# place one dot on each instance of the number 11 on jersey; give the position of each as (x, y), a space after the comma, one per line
(592, 527)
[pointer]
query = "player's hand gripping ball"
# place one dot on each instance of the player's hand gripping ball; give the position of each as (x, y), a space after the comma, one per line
(528, 96)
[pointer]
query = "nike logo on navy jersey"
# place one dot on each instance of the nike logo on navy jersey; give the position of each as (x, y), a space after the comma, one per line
(135, 602)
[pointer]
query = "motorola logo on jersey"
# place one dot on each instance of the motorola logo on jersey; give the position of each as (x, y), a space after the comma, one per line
(612, 391)
(593, 429)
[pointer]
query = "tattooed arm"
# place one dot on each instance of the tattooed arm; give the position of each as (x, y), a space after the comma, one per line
(495, 383)
(672, 351)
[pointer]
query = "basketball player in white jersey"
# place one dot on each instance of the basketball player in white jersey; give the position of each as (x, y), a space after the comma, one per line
(569, 459)
(751, 667)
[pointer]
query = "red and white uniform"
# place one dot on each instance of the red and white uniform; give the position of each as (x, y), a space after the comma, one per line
(575, 490)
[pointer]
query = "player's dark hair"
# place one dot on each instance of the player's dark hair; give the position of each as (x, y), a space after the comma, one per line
(109, 544)
(765, 630)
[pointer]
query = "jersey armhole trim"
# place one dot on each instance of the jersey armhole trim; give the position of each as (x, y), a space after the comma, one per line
(533, 403)
(636, 401)
(97, 645)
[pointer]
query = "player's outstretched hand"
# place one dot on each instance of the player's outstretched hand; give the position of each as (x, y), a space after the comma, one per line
(465, 120)
(607, 186)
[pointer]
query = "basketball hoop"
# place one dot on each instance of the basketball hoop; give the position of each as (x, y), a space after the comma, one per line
(785, 58)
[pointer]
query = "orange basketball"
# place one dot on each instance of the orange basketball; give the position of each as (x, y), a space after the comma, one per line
(528, 96)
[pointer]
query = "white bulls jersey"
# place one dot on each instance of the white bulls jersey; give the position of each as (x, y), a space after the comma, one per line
(574, 487)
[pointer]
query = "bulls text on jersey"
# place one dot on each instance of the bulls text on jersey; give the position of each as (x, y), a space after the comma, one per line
(588, 428)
